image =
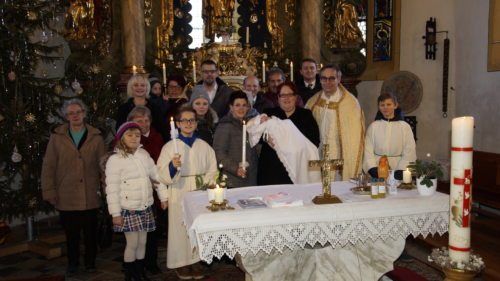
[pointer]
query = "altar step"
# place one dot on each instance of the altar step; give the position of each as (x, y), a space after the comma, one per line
(484, 240)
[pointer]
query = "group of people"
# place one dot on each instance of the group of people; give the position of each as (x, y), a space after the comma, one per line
(147, 156)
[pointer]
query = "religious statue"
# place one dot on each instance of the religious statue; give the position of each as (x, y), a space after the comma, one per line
(80, 23)
(346, 32)
(218, 16)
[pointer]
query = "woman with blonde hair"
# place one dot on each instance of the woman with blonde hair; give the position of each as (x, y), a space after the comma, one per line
(138, 89)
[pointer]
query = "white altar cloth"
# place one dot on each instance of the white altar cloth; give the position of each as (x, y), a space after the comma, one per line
(358, 219)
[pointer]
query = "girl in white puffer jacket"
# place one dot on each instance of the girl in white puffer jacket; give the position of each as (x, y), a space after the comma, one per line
(129, 193)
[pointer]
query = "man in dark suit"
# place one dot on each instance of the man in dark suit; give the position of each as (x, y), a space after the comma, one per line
(308, 82)
(218, 91)
(259, 103)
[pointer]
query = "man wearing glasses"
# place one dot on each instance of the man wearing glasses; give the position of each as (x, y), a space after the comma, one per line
(218, 91)
(340, 120)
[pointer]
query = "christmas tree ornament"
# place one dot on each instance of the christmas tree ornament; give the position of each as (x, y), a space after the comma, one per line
(79, 91)
(44, 38)
(30, 118)
(76, 85)
(95, 69)
(11, 75)
(58, 89)
(31, 15)
(16, 157)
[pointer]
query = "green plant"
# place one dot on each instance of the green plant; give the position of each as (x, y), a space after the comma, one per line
(426, 170)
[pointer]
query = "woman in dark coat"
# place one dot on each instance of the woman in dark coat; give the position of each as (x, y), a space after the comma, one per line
(138, 89)
(228, 144)
(271, 170)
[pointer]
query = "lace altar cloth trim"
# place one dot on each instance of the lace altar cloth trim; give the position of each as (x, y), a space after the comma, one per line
(293, 236)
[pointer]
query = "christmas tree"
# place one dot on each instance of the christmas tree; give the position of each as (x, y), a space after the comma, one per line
(30, 95)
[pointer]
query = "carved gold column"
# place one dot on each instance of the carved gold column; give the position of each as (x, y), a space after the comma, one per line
(311, 28)
(134, 39)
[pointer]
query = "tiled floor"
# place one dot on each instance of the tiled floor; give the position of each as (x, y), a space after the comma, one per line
(30, 265)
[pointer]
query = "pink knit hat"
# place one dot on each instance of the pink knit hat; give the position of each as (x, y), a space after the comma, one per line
(124, 127)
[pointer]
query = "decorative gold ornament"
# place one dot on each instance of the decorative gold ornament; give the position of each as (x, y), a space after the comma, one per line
(11, 75)
(218, 17)
(274, 29)
(164, 31)
(290, 11)
(30, 118)
(95, 69)
(254, 18)
(58, 89)
(31, 15)
(80, 22)
(341, 25)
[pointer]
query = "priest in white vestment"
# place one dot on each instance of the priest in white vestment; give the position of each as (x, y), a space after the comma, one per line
(340, 120)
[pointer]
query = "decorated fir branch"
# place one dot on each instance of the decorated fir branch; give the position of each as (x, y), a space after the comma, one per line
(30, 99)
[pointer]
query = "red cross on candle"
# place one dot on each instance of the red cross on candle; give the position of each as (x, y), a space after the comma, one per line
(466, 182)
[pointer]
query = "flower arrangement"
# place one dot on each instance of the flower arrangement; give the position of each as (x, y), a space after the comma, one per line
(426, 170)
(441, 257)
(219, 179)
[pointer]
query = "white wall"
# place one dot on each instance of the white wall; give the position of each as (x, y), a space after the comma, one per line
(473, 91)
(477, 90)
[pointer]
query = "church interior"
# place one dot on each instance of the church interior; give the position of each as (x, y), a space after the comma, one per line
(440, 58)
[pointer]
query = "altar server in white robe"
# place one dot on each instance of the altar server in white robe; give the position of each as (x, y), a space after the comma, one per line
(179, 171)
(341, 121)
(389, 135)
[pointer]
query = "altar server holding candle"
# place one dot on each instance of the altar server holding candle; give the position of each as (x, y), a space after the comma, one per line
(179, 171)
(231, 146)
(389, 135)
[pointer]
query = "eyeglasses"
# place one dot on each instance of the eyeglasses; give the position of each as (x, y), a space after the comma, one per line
(329, 79)
(188, 121)
(284, 96)
(209, 71)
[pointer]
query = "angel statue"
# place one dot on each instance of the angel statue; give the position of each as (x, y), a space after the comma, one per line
(346, 32)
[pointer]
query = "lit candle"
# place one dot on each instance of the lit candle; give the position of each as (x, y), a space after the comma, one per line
(407, 176)
(247, 38)
(243, 144)
(462, 134)
(173, 134)
(194, 71)
(265, 45)
(219, 194)
(134, 69)
(263, 71)
(164, 74)
(291, 71)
